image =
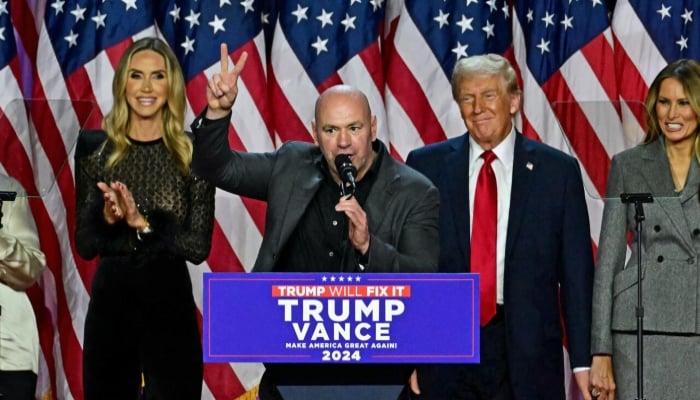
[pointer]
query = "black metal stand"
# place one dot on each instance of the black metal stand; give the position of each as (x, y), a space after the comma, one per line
(638, 199)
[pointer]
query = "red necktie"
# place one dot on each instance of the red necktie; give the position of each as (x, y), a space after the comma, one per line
(483, 242)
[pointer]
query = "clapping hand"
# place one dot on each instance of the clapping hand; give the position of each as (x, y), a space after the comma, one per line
(120, 204)
(112, 211)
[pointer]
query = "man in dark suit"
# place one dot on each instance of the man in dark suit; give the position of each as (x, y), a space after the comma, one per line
(389, 224)
(543, 248)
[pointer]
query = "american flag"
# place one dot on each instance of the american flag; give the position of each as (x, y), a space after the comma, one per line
(585, 66)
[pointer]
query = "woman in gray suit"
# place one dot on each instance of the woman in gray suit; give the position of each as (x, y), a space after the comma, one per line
(665, 165)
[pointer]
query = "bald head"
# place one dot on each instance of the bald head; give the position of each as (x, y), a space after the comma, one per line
(342, 91)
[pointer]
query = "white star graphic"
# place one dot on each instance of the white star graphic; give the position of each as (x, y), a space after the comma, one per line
(175, 13)
(376, 4)
(595, 3)
(348, 22)
(218, 24)
(193, 18)
(682, 42)
(247, 6)
(130, 4)
(58, 6)
(460, 50)
(687, 16)
(567, 22)
(547, 19)
(472, 1)
(99, 20)
(320, 45)
(506, 11)
(465, 23)
(488, 28)
(325, 18)
(72, 39)
(188, 45)
(300, 13)
(265, 18)
(2, 33)
(543, 46)
(3, 8)
(530, 15)
(78, 13)
(224, 2)
(664, 11)
(442, 19)
(492, 5)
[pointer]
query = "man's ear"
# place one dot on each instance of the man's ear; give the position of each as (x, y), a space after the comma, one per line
(313, 132)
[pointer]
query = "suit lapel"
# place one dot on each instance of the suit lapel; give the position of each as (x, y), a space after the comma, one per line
(659, 181)
(303, 188)
(381, 193)
(455, 178)
(524, 165)
(692, 184)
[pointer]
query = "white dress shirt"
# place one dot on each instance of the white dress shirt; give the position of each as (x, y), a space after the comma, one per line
(503, 169)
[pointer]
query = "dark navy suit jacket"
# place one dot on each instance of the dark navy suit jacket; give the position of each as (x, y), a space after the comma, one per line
(548, 256)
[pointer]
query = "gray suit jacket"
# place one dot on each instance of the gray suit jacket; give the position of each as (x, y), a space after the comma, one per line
(402, 207)
(670, 245)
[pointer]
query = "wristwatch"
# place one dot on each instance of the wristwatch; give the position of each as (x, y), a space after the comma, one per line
(144, 231)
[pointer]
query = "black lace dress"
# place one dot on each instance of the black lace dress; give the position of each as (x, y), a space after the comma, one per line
(142, 317)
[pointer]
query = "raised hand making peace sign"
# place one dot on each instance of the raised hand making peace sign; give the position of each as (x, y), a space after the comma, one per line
(222, 88)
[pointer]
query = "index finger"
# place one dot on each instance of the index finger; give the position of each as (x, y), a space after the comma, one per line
(224, 57)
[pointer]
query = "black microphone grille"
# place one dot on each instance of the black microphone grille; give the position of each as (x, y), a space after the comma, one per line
(343, 164)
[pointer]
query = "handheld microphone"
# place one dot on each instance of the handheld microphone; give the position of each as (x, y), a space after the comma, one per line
(347, 172)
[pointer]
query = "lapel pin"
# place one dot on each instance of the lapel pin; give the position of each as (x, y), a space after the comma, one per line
(529, 166)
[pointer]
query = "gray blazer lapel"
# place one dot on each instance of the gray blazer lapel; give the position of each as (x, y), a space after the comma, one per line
(691, 185)
(660, 182)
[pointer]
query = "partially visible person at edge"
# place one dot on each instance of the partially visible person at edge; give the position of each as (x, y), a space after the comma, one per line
(21, 264)
(388, 225)
(144, 213)
(543, 255)
(666, 165)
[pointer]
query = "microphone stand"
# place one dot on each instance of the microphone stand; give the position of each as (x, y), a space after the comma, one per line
(638, 199)
(5, 196)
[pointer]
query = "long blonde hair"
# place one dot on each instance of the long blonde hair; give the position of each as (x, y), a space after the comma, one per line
(116, 122)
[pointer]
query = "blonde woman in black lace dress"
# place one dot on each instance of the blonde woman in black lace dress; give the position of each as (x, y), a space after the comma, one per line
(143, 212)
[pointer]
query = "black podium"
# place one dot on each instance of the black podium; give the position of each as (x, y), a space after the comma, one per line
(346, 392)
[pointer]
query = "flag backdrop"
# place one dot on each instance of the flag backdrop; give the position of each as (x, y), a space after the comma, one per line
(584, 65)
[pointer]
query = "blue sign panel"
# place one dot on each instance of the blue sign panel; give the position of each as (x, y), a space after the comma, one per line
(341, 318)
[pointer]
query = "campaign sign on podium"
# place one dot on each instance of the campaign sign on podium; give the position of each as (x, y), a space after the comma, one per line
(341, 318)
